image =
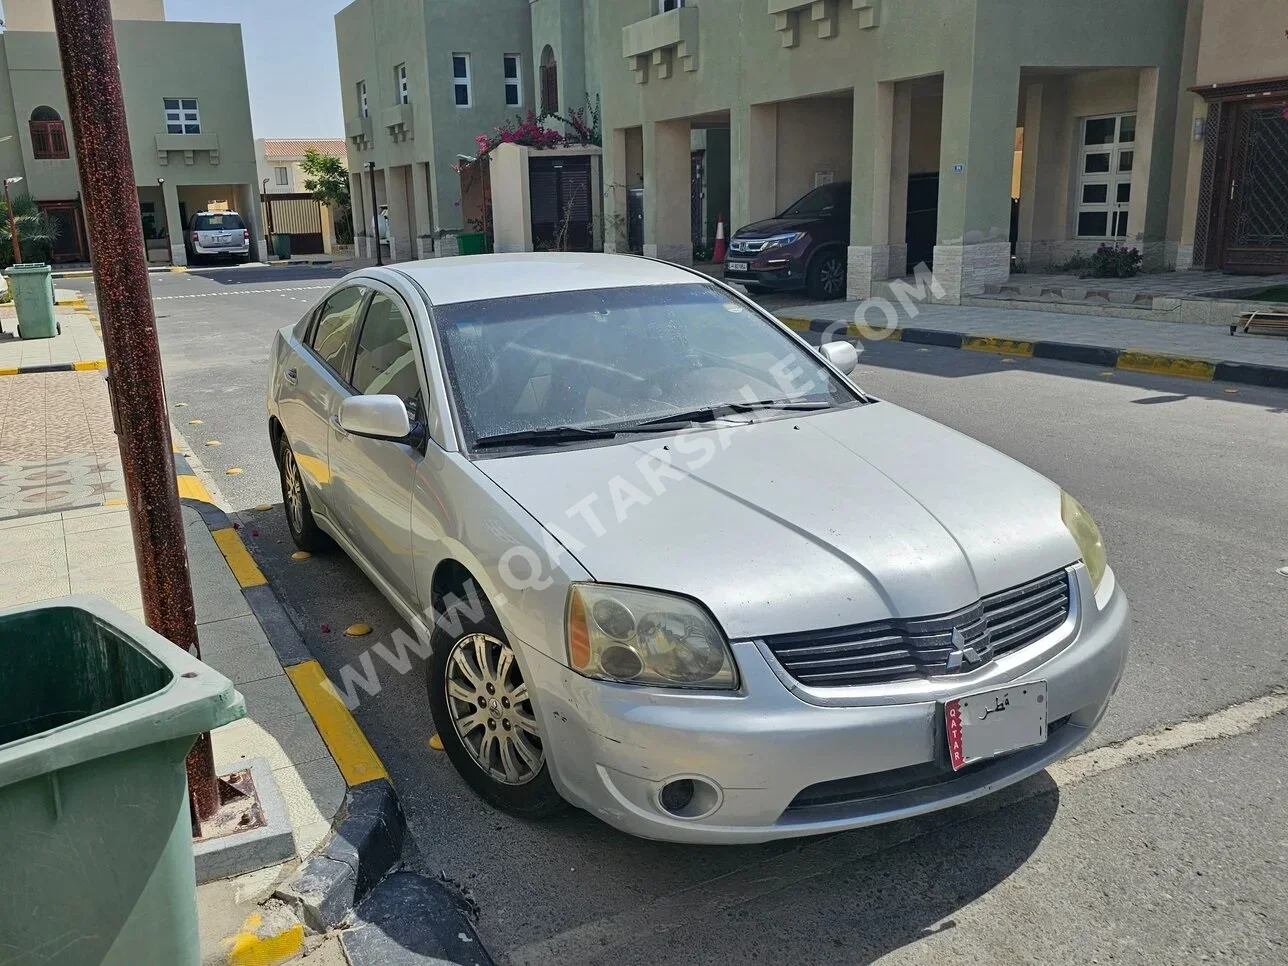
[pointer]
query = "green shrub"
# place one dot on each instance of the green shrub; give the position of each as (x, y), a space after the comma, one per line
(1108, 261)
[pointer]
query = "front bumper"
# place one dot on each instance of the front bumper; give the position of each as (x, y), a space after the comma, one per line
(611, 747)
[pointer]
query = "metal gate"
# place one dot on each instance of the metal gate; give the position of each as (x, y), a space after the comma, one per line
(1255, 235)
(562, 209)
(297, 215)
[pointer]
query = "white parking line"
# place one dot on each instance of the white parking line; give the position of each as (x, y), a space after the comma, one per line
(815, 857)
(243, 291)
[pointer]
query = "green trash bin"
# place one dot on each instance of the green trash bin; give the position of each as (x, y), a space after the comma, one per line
(471, 243)
(97, 714)
(281, 245)
(32, 284)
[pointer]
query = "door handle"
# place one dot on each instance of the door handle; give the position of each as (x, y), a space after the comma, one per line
(292, 376)
(335, 424)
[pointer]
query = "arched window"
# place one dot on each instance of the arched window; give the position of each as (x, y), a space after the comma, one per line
(549, 81)
(48, 136)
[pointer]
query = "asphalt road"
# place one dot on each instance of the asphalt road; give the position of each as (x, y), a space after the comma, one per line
(1179, 858)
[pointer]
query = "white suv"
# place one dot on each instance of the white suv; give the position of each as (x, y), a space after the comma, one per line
(218, 233)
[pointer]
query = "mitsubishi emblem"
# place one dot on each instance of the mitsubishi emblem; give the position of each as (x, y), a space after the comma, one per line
(962, 653)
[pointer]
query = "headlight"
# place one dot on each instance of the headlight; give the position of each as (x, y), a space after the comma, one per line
(782, 241)
(1086, 534)
(644, 637)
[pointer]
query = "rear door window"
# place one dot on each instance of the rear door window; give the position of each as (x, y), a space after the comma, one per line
(384, 360)
(219, 221)
(334, 329)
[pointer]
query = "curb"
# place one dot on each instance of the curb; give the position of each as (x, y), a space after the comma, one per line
(1106, 357)
(352, 881)
(82, 365)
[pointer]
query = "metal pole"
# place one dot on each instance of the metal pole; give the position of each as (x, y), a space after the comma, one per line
(268, 226)
(375, 210)
(13, 226)
(92, 77)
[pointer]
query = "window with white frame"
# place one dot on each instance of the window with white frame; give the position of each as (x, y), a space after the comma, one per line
(461, 80)
(511, 66)
(362, 99)
(181, 115)
(400, 75)
(664, 5)
(283, 175)
(1106, 156)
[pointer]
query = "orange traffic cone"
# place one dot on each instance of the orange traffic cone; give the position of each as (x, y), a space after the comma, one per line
(718, 254)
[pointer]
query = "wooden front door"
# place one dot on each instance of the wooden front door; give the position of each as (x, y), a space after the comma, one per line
(70, 244)
(1252, 193)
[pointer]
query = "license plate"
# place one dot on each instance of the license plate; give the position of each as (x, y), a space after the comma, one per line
(225, 239)
(737, 267)
(993, 723)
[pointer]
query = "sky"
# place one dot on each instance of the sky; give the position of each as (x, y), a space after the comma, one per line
(291, 65)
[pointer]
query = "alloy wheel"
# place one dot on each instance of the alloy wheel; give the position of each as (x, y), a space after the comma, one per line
(831, 276)
(491, 710)
(294, 490)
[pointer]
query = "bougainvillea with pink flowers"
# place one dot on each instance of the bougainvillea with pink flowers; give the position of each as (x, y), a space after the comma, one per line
(530, 130)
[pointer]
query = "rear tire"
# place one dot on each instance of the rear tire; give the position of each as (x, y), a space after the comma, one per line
(504, 760)
(826, 276)
(295, 501)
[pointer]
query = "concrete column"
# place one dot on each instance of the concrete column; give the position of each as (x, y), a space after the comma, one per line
(977, 156)
(175, 228)
(753, 164)
(1151, 169)
(248, 205)
(360, 203)
(597, 224)
(1032, 95)
(615, 194)
(422, 211)
(667, 200)
(901, 140)
(328, 230)
(511, 199)
(398, 193)
(869, 253)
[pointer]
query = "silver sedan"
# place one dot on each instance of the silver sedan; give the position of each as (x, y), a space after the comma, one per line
(668, 564)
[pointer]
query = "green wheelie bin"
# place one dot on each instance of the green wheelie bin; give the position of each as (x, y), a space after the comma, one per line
(97, 714)
(33, 298)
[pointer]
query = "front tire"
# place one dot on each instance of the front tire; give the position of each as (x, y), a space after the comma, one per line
(295, 501)
(827, 275)
(485, 718)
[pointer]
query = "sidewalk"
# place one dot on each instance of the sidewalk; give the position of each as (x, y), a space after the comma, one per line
(1198, 351)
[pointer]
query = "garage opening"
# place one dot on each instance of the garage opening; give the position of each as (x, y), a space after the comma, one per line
(921, 224)
(709, 182)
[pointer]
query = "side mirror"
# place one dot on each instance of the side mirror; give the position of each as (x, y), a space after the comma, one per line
(380, 417)
(842, 355)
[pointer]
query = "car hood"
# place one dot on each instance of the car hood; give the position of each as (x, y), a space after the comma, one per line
(794, 524)
(776, 226)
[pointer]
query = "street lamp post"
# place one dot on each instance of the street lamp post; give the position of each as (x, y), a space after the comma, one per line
(375, 211)
(13, 222)
(268, 223)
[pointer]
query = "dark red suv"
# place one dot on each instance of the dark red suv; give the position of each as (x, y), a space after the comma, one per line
(804, 247)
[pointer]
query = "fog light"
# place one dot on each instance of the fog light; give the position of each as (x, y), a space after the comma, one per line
(676, 796)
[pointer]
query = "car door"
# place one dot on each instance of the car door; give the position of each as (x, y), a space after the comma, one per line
(372, 479)
(314, 387)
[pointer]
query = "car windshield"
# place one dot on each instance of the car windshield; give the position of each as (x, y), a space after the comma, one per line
(823, 200)
(619, 358)
(220, 221)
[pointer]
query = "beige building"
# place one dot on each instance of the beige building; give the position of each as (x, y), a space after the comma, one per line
(189, 120)
(278, 162)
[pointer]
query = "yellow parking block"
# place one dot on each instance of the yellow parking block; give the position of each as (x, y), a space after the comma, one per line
(240, 562)
(86, 365)
(353, 754)
(991, 343)
(1165, 365)
(191, 488)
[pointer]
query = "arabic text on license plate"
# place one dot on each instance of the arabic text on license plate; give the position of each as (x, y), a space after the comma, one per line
(995, 723)
(737, 266)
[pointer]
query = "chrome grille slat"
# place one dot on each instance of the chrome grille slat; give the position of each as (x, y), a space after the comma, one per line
(894, 650)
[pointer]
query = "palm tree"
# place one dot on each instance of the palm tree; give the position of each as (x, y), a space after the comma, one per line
(36, 232)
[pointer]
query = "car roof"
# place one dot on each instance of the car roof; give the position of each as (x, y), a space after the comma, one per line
(472, 278)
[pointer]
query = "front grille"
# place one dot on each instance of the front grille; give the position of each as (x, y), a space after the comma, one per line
(865, 788)
(747, 247)
(953, 643)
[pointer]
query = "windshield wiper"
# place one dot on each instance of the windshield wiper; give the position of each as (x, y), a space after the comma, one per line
(552, 434)
(710, 413)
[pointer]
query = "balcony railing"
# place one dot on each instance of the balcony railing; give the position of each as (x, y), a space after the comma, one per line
(657, 41)
(398, 121)
(360, 132)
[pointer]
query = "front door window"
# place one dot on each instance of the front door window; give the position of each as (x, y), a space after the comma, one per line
(1105, 161)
